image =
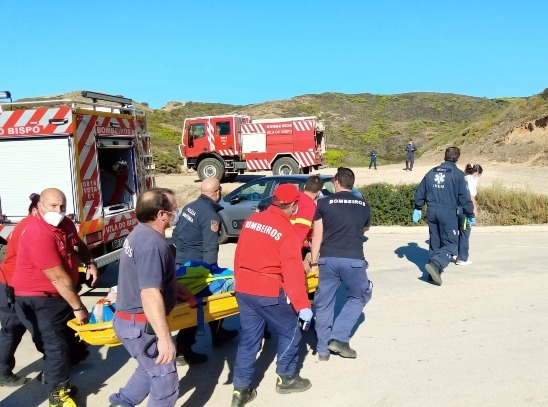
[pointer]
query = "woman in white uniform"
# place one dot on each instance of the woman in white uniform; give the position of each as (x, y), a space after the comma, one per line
(473, 172)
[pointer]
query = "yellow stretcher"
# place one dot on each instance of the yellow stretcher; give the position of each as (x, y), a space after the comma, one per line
(215, 307)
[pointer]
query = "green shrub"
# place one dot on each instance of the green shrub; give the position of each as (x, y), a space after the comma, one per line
(390, 204)
(166, 163)
(504, 206)
(334, 157)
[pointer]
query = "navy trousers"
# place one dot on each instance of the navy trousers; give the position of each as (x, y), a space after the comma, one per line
(255, 312)
(444, 240)
(409, 161)
(353, 274)
(46, 320)
(160, 381)
(11, 333)
(464, 238)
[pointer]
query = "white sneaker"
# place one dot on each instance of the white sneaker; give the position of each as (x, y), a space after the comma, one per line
(463, 263)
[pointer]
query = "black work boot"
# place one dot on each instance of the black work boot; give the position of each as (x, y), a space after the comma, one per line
(189, 357)
(222, 336)
(240, 397)
(292, 384)
(342, 348)
(61, 396)
(434, 272)
(12, 380)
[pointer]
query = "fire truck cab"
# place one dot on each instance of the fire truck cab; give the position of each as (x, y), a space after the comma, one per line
(225, 146)
(99, 155)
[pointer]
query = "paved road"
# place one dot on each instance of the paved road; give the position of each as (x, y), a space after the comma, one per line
(480, 339)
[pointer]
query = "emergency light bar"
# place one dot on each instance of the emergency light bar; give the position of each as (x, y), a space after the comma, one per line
(5, 94)
(95, 96)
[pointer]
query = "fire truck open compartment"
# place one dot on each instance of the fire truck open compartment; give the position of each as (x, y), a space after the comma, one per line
(117, 189)
(36, 164)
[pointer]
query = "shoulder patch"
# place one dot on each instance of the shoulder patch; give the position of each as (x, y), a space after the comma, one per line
(215, 225)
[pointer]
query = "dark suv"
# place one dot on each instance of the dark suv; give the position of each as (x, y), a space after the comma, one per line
(255, 195)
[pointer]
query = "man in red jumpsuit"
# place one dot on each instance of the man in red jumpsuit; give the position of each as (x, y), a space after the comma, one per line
(270, 287)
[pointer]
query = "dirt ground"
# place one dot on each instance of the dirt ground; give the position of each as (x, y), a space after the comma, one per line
(519, 176)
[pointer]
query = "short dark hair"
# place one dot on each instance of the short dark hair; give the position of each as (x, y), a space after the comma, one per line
(152, 201)
(313, 184)
(472, 169)
(284, 206)
(452, 154)
(346, 177)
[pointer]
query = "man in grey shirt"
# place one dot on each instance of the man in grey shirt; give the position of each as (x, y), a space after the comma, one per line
(147, 292)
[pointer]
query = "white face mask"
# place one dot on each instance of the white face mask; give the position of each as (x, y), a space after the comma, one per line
(176, 216)
(53, 218)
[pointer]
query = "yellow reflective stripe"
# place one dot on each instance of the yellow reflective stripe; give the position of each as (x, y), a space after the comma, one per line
(302, 221)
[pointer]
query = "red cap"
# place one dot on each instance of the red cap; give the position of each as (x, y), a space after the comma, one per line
(284, 194)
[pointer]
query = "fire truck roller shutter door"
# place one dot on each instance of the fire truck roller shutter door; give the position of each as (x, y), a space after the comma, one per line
(285, 166)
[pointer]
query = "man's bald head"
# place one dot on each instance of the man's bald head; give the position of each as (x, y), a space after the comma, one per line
(53, 200)
(211, 187)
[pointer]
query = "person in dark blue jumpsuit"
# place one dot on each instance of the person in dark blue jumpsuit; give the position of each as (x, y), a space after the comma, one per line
(337, 250)
(373, 158)
(196, 238)
(410, 149)
(443, 189)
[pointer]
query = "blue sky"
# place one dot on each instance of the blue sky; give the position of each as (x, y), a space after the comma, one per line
(244, 52)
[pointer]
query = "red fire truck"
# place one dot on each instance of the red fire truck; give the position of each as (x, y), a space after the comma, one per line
(97, 154)
(224, 146)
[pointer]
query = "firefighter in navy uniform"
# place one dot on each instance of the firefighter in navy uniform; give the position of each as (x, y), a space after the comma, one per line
(443, 189)
(337, 252)
(196, 237)
(270, 288)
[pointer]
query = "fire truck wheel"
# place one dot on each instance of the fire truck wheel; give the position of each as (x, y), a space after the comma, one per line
(286, 166)
(210, 168)
(223, 234)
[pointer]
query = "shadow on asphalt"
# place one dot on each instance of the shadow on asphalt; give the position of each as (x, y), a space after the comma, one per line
(416, 255)
(201, 380)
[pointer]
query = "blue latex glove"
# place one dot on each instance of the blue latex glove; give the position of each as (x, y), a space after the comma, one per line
(471, 221)
(305, 314)
(417, 214)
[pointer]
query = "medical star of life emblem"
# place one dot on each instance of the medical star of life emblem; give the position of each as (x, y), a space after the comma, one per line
(439, 178)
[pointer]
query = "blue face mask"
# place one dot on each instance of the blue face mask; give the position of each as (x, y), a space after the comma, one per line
(176, 216)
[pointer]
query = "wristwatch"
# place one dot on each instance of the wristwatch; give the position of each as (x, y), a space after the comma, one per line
(313, 264)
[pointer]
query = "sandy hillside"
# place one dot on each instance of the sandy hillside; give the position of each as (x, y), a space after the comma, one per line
(521, 176)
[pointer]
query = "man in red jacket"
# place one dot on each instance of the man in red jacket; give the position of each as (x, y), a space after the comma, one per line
(270, 287)
(304, 218)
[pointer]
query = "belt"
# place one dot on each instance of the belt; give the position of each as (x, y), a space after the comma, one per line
(36, 294)
(139, 317)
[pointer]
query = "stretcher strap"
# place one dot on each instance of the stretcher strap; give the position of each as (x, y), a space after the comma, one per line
(200, 315)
